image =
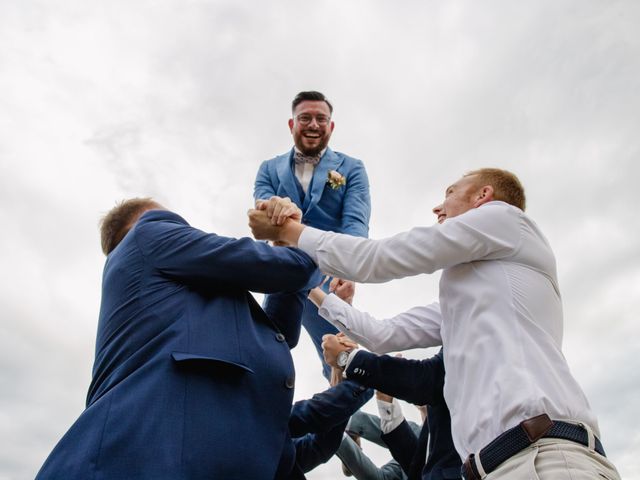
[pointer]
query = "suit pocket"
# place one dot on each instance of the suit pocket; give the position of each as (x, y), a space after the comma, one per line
(207, 363)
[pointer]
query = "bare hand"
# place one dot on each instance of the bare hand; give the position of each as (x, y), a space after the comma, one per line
(346, 341)
(344, 289)
(279, 209)
(261, 226)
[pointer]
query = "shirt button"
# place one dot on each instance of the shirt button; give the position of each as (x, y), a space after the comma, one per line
(290, 382)
(280, 337)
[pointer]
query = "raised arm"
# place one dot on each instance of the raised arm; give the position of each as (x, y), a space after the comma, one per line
(418, 327)
(487, 232)
(416, 381)
(356, 207)
(327, 409)
(205, 260)
(263, 188)
(317, 424)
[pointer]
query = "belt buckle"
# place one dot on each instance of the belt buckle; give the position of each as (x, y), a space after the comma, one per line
(469, 471)
(536, 427)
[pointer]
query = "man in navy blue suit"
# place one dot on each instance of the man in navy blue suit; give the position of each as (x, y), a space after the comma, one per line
(331, 188)
(192, 379)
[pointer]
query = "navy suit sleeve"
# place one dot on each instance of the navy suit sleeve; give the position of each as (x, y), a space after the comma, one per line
(317, 424)
(417, 381)
(314, 449)
(327, 409)
(263, 188)
(402, 443)
(356, 209)
(206, 260)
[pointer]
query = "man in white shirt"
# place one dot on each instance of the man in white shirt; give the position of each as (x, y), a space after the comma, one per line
(499, 318)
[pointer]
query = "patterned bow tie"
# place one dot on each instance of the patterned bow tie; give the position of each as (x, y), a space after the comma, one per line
(301, 158)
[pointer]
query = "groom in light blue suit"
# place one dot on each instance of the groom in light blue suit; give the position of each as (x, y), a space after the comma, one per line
(331, 188)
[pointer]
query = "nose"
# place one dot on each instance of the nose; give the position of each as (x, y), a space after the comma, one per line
(437, 209)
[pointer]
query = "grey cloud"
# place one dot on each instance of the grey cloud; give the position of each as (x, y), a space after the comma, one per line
(182, 100)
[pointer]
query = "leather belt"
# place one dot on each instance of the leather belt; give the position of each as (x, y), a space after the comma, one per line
(520, 437)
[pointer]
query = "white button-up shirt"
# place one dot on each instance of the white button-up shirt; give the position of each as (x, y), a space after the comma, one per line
(499, 316)
(304, 171)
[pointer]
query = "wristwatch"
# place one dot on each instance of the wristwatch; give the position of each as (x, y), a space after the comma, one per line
(343, 356)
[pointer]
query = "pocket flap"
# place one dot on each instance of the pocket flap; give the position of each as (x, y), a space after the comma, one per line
(186, 358)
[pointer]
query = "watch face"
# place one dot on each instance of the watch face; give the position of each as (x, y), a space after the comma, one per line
(342, 359)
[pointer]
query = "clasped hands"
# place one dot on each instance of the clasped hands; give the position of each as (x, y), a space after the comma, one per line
(333, 345)
(269, 216)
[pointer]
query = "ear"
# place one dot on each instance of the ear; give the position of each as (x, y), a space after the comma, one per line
(484, 195)
(291, 125)
(332, 125)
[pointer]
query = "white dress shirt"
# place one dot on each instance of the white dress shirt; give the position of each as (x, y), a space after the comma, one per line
(499, 316)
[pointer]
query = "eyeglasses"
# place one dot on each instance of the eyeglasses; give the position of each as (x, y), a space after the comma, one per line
(306, 119)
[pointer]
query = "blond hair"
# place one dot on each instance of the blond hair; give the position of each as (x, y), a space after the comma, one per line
(506, 186)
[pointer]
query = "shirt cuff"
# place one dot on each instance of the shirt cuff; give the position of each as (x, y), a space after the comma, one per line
(332, 310)
(352, 355)
(390, 415)
(309, 241)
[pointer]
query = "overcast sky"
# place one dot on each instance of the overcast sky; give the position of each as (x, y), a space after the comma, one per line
(182, 99)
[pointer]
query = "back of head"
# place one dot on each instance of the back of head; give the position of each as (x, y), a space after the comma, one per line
(506, 186)
(119, 220)
(313, 96)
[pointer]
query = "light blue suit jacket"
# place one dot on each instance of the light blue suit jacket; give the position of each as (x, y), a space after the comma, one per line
(344, 210)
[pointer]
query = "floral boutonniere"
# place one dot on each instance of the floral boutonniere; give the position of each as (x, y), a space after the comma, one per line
(336, 180)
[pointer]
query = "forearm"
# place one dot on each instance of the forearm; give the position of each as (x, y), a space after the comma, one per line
(314, 449)
(416, 381)
(418, 327)
(327, 409)
(290, 233)
(263, 188)
(366, 260)
(356, 210)
(402, 444)
(317, 296)
(209, 261)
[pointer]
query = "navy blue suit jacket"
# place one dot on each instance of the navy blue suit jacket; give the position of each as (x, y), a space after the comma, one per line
(343, 210)
(192, 379)
(419, 382)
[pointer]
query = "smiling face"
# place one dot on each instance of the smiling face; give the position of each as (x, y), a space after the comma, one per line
(311, 126)
(462, 196)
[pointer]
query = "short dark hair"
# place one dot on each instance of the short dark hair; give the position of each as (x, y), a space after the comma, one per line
(506, 185)
(119, 220)
(313, 96)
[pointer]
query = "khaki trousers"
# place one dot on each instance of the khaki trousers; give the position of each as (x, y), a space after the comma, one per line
(555, 459)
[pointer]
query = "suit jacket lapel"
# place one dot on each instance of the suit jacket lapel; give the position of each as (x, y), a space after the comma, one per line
(287, 177)
(329, 161)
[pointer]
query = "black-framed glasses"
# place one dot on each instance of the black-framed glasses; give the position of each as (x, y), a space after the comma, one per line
(306, 119)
